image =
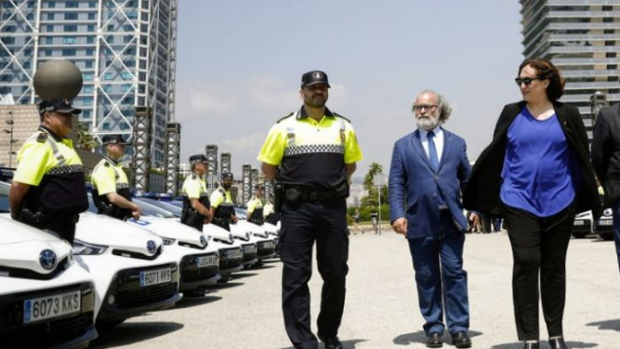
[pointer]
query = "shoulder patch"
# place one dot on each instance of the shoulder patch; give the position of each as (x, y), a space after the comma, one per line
(42, 137)
(284, 117)
(342, 117)
(194, 177)
(106, 164)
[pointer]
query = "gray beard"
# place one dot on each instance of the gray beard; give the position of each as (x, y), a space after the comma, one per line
(427, 124)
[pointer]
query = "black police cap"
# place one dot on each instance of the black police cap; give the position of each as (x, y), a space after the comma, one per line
(198, 158)
(61, 106)
(114, 139)
(227, 175)
(314, 77)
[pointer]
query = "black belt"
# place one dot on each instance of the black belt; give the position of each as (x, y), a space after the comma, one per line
(296, 194)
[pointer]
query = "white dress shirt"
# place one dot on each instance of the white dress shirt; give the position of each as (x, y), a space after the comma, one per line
(438, 140)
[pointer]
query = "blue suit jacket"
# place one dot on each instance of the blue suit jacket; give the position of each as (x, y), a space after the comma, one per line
(413, 184)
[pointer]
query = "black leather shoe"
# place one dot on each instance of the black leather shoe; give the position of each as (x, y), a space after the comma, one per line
(461, 340)
(557, 343)
(434, 340)
(530, 345)
(331, 343)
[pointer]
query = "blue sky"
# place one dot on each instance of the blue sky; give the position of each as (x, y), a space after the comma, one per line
(240, 62)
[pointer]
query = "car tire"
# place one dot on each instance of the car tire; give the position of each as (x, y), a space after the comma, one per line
(104, 326)
(607, 236)
(580, 234)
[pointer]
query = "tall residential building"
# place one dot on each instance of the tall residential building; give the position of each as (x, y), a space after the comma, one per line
(125, 49)
(582, 38)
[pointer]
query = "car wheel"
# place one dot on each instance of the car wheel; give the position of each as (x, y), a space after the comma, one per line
(103, 326)
(580, 234)
(607, 236)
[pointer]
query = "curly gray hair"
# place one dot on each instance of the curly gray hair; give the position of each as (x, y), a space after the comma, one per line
(445, 110)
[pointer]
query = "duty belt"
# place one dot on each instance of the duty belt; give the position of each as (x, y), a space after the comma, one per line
(296, 193)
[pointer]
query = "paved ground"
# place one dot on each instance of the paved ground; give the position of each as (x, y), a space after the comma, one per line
(381, 310)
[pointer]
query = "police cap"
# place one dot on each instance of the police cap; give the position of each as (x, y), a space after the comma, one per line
(61, 106)
(227, 175)
(198, 158)
(314, 77)
(114, 139)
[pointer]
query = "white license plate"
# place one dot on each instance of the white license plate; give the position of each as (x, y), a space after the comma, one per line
(579, 222)
(207, 261)
(155, 277)
(268, 244)
(232, 254)
(249, 249)
(606, 222)
(49, 307)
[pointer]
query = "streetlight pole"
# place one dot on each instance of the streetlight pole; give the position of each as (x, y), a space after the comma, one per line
(379, 184)
(10, 122)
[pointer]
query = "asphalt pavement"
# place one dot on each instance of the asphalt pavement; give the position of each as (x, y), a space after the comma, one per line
(381, 310)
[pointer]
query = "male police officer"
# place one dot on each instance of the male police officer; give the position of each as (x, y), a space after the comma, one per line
(222, 207)
(111, 191)
(196, 206)
(312, 152)
(255, 206)
(49, 186)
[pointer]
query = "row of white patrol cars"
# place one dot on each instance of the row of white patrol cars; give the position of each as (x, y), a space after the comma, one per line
(56, 296)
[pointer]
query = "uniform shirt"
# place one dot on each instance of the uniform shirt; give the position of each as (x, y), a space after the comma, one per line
(195, 187)
(268, 209)
(53, 168)
(221, 197)
(309, 152)
(254, 203)
(109, 177)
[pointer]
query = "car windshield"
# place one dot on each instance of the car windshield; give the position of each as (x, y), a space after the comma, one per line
(241, 213)
(152, 210)
(4, 197)
(161, 205)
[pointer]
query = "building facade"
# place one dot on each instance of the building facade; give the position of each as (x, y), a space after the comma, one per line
(125, 49)
(582, 38)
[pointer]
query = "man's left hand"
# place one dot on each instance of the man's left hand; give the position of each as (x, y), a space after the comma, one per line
(474, 218)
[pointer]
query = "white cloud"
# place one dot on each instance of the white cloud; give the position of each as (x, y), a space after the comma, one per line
(197, 99)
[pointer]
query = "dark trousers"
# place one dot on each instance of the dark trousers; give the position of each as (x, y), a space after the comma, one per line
(616, 215)
(539, 244)
(63, 229)
(440, 278)
(302, 225)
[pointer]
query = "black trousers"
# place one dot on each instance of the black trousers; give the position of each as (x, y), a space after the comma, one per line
(302, 225)
(63, 229)
(539, 244)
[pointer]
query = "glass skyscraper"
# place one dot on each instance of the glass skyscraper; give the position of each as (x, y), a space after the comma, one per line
(581, 37)
(125, 49)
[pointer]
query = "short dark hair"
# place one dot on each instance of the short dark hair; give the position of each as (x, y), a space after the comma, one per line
(546, 70)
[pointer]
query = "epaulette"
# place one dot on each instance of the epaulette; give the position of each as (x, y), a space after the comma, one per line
(42, 137)
(340, 116)
(287, 116)
(106, 164)
(194, 177)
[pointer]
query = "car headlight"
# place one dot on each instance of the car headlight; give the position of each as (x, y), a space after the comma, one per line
(82, 248)
(607, 212)
(247, 235)
(168, 242)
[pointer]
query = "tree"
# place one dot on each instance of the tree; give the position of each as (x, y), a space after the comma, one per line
(85, 140)
(371, 186)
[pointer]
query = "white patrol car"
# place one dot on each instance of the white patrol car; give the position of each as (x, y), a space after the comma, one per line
(265, 244)
(229, 249)
(46, 299)
(198, 258)
(132, 274)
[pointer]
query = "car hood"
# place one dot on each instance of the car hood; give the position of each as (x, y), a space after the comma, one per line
(252, 228)
(21, 247)
(218, 233)
(107, 231)
(169, 228)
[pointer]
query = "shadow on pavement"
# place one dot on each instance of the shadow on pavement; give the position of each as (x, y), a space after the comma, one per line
(420, 337)
(131, 333)
(545, 345)
(196, 301)
(348, 344)
(607, 325)
(221, 286)
(242, 275)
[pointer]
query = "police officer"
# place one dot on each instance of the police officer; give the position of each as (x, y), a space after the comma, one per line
(111, 190)
(222, 207)
(312, 153)
(255, 206)
(49, 187)
(269, 212)
(196, 206)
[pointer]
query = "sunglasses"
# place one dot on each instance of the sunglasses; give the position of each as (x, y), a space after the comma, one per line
(526, 81)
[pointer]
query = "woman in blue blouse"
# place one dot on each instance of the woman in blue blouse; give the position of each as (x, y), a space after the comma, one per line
(537, 173)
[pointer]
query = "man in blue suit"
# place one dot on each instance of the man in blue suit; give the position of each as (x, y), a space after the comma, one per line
(429, 169)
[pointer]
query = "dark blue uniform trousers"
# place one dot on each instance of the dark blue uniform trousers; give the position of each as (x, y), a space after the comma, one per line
(616, 215)
(302, 225)
(440, 278)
